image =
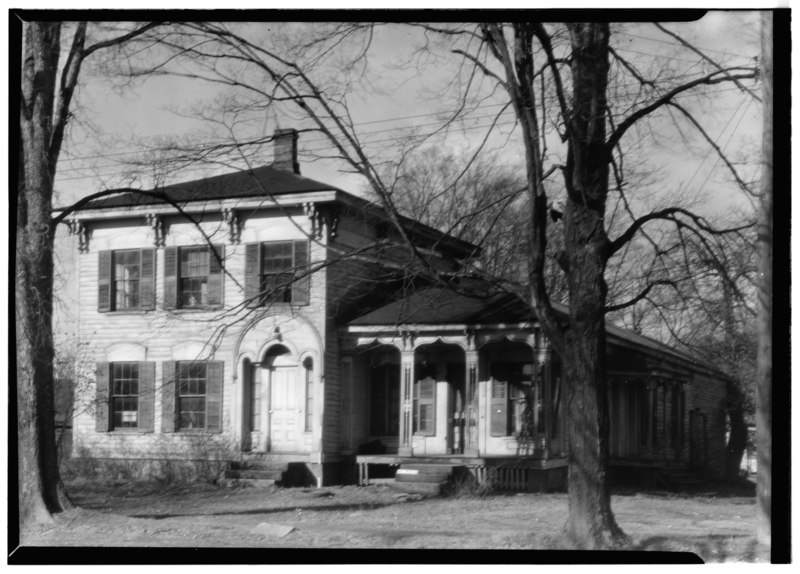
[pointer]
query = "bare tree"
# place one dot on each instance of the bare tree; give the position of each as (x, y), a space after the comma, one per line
(764, 380)
(556, 80)
(49, 79)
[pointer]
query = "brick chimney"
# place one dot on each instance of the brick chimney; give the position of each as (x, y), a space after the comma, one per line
(285, 146)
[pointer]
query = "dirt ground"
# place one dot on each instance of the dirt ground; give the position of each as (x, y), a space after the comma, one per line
(716, 527)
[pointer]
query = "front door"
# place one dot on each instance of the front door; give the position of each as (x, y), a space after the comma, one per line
(283, 412)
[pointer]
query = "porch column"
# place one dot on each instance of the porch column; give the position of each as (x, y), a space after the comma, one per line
(471, 392)
(406, 403)
(651, 426)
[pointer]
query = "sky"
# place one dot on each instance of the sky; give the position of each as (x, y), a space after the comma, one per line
(113, 126)
(124, 122)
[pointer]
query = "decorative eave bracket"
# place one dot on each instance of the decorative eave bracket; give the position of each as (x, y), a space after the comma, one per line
(156, 223)
(77, 227)
(234, 221)
(324, 220)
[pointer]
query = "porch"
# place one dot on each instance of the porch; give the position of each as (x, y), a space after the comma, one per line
(501, 472)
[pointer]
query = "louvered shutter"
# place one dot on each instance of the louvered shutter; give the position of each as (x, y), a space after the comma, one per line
(499, 407)
(214, 372)
(171, 260)
(103, 398)
(168, 392)
(215, 275)
(252, 274)
(302, 285)
(147, 386)
(104, 281)
(148, 280)
(426, 407)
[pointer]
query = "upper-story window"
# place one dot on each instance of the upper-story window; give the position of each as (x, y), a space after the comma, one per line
(193, 276)
(276, 272)
(126, 280)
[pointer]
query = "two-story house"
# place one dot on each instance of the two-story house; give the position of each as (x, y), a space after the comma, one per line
(264, 316)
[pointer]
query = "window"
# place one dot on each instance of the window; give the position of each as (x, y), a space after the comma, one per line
(425, 400)
(276, 272)
(125, 398)
(517, 407)
(308, 367)
(191, 397)
(126, 280)
(193, 276)
(125, 392)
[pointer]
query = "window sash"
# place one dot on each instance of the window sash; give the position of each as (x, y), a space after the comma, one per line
(127, 279)
(193, 276)
(192, 388)
(125, 397)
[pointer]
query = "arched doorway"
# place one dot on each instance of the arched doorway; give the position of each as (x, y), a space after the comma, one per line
(276, 398)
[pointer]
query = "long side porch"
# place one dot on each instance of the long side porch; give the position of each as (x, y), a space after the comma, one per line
(499, 472)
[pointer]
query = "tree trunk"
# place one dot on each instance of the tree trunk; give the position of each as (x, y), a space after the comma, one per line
(764, 373)
(591, 522)
(737, 440)
(37, 454)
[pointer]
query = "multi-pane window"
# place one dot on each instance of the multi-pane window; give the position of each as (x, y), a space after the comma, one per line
(125, 394)
(127, 276)
(192, 378)
(125, 280)
(277, 272)
(194, 276)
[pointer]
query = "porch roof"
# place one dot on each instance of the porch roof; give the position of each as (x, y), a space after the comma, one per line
(438, 306)
(443, 307)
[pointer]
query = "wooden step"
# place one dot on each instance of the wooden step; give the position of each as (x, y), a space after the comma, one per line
(271, 474)
(424, 488)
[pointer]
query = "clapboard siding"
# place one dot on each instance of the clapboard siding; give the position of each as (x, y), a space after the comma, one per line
(161, 330)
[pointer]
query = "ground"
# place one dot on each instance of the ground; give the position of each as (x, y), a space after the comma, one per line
(715, 526)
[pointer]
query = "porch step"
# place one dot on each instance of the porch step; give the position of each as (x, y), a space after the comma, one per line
(426, 488)
(260, 473)
(428, 479)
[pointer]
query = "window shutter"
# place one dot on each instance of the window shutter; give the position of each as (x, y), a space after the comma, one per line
(147, 293)
(302, 285)
(104, 281)
(426, 407)
(252, 274)
(499, 406)
(171, 260)
(147, 389)
(103, 398)
(215, 275)
(214, 374)
(168, 392)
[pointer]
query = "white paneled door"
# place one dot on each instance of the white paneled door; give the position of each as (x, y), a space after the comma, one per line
(284, 412)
